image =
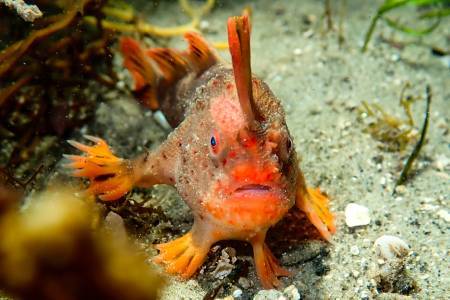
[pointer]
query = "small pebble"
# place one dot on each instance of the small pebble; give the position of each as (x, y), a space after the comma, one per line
(269, 295)
(400, 189)
(356, 215)
(237, 293)
(308, 33)
(291, 292)
(395, 57)
(244, 282)
(441, 162)
(120, 85)
(161, 120)
(354, 250)
(390, 247)
(204, 25)
(298, 51)
(444, 215)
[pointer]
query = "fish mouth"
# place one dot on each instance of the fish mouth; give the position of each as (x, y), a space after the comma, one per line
(253, 188)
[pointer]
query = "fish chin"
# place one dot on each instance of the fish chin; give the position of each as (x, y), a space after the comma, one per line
(251, 207)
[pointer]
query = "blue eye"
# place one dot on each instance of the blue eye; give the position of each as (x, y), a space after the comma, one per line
(213, 141)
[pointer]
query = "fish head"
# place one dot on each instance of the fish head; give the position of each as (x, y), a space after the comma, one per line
(254, 161)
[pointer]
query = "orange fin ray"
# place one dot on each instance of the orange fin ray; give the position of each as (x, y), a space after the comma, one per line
(170, 62)
(200, 54)
(267, 266)
(144, 75)
(156, 70)
(110, 177)
(315, 204)
(182, 256)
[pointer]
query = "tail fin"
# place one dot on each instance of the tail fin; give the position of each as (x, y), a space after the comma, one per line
(145, 78)
(155, 71)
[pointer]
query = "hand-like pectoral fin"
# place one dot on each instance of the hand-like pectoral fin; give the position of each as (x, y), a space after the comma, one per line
(110, 177)
(315, 204)
(182, 256)
(266, 264)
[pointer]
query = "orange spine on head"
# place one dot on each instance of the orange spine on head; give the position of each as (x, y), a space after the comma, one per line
(239, 43)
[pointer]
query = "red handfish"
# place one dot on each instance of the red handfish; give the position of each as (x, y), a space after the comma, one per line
(230, 157)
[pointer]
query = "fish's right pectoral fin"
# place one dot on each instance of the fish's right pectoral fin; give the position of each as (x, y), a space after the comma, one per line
(110, 177)
(182, 256)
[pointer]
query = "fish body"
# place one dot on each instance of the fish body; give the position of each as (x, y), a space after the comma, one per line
(230, 156)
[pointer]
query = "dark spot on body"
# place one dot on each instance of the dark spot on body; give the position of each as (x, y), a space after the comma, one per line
(104, 177)
(147, 153)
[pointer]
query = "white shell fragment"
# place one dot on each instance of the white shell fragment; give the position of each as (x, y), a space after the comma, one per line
(160, 118)
(390, 247)
(356, 215)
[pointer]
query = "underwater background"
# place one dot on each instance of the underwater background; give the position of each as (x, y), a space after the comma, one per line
(356, 79)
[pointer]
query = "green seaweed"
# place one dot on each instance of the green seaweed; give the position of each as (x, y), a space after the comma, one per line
(415, 153)
(437, 12)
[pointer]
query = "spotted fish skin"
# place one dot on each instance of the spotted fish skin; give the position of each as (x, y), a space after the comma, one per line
(230, 156)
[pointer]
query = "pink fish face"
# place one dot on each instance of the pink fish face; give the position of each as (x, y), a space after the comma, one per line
(254, 167)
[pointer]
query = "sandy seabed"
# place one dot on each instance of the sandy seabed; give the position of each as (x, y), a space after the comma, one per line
(322, 85)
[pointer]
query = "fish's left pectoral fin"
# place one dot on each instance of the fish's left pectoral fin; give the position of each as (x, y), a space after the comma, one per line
(110, 176)
(315, 205)
(182, 256)
(266, 264)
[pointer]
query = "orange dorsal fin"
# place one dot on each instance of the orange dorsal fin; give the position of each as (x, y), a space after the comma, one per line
(157, 71)
(145, 78)
(200, 55)
(171, 63)
(239, 43)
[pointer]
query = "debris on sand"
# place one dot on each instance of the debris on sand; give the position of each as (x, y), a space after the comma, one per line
(392, 274)
(356, 215)
(226, 263)
(27, 12)
(289, 293)
(390, 247)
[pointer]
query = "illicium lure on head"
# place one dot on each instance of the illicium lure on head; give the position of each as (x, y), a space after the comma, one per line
(230, 157)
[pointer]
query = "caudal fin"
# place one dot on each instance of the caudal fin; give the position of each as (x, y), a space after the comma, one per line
(143, 73)
(156, 71)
